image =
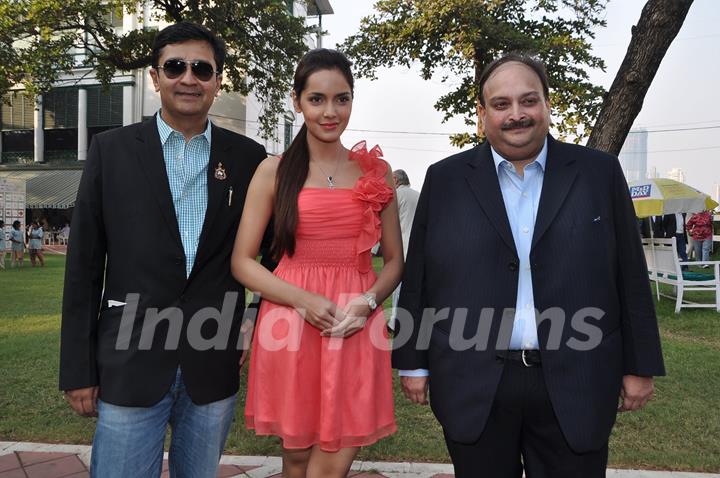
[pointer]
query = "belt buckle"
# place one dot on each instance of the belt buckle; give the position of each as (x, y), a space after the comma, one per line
(522, 355)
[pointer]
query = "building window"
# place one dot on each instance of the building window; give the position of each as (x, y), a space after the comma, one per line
(60, 117)
(17, 146)
(16, 123)
(104, 106)
(17, 111)
(115, 16)
(289, 122)
(60, 108)
(290, 7)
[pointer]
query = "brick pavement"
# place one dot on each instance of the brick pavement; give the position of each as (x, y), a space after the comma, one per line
(39, 460)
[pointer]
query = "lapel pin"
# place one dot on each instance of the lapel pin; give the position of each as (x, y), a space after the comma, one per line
(220, 172)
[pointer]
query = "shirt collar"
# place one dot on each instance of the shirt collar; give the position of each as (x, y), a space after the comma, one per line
(165, 130)
(541, 158)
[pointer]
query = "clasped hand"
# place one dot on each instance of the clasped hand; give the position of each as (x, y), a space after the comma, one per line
(333, 321)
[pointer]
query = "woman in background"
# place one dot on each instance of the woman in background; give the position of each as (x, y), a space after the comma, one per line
(700, 228)
(35, 244)
(17, 249)
(3, 244)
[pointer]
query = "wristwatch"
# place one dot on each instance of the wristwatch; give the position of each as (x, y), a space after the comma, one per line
(370, 298)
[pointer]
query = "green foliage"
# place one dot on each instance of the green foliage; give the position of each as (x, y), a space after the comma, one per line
(458, 38)
(40, 40)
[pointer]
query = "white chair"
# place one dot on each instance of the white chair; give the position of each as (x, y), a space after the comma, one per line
(665, 267)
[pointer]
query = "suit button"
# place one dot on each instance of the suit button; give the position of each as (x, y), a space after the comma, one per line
(513, 266)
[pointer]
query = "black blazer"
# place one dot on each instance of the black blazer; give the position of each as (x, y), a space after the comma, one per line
(125, 240)
(666, 226)
(586, 252)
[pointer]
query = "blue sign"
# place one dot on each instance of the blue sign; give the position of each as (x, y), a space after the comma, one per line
(642, 191)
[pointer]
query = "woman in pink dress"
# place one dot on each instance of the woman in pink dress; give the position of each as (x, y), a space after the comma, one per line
(320, 375)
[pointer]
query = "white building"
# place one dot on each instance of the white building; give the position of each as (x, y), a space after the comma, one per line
(633, 155)
(53, 132)
(677, 174)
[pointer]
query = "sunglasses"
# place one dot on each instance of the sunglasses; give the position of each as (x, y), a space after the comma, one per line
(175, 68)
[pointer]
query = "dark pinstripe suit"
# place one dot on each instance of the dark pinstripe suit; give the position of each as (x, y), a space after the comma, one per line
(586, 252)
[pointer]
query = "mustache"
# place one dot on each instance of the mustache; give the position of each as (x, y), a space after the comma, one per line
(523, 123)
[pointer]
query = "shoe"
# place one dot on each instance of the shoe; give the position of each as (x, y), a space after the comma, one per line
(705, 266)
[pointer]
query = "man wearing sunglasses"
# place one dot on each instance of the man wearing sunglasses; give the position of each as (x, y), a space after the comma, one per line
(153, 227)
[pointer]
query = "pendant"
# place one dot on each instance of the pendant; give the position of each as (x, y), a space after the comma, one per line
(331, 184)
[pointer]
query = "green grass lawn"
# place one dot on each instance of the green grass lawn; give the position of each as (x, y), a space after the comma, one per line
(679, 430)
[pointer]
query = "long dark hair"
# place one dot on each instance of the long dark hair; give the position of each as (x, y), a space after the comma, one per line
(293, 169)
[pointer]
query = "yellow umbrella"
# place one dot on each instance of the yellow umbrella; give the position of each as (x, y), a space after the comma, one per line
(660, 196)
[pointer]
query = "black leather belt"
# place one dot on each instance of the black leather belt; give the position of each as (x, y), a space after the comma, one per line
(529, 358)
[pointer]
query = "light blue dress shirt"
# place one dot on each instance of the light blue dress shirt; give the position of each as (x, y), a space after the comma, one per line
(186, 164)
(521, 195)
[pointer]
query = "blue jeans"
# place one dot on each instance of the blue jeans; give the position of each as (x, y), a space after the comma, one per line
(681, 249)
(129, 440)
(702, 249)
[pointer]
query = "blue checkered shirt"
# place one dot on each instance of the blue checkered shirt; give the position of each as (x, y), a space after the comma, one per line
(187, 168)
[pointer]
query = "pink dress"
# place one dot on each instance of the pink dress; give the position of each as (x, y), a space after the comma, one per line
(312, 390)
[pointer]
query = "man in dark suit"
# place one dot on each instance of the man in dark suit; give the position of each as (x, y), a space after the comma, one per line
(525, 296)
(672, 225)
(151, 313)
(665, 227)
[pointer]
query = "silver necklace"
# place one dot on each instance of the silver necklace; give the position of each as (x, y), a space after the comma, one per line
(329, 177)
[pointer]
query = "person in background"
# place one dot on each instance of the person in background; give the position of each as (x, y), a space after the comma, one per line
(17, 251)
(645, 226)
(3, 244)
(65, 232)
(407, 199)
(669, 226)
(700, 228)
(407, 203)
(680, 236)
(35, 244)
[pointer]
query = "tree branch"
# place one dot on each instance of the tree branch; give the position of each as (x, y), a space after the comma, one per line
(659, 24)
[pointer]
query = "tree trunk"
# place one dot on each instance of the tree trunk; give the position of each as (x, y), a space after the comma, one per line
(659, 23)
(480, 126)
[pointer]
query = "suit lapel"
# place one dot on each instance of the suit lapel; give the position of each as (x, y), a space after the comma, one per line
(483, 181)
(560, 173)
(218, 189)
(152, 162)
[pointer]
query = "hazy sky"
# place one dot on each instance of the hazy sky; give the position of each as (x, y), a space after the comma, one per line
(681, 96)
